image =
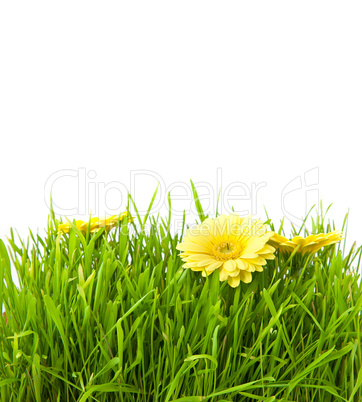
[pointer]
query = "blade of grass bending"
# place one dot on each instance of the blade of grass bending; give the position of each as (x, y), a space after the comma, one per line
(304, 220)
(109, 387)
(217, 203)
(113, 362)
(357, 387)
(136, 211)
(199, 209)
(297, 299)
(150, 207)
(173, 384)
(55, 316)
(321, 360)
(246, 386)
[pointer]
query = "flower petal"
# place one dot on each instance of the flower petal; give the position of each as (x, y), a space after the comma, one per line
(230, 265)
(234, 281)
(223, 274)
(245, 276)
(242, 264)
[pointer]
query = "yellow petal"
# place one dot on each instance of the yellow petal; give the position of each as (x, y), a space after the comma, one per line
(234, 281)
(192, 247)
(245, 276)
(230, 265)
(223, 274)
(205, 262)
(258, 261)
(198, 257)
(63, 227)
(249, 255)
(213, 266)
(241, 264)
(267, 249)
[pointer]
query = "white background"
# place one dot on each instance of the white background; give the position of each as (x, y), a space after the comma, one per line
(257, 92)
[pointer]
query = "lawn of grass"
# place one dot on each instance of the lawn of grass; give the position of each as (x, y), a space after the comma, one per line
(113, 316)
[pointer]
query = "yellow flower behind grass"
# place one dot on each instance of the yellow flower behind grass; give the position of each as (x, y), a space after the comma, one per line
(306, 246)
(64, 227)
(233, 245)
(94, 224)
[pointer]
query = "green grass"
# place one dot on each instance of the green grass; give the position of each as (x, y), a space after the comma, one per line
(114, 317)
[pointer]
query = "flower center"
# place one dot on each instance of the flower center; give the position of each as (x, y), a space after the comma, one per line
(226, 251)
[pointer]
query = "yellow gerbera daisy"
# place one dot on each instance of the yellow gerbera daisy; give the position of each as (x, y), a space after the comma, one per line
(308, 245)
(94, 224)
(64, 227)
(233, 245)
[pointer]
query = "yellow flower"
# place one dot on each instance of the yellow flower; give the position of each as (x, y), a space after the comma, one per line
(94, 224)
(308, 245)
(233, 245)
(64, 227)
